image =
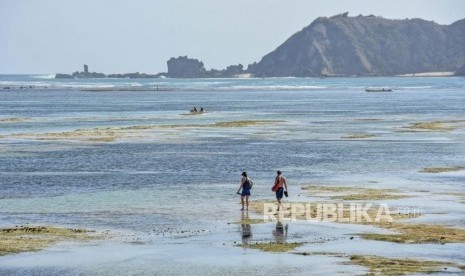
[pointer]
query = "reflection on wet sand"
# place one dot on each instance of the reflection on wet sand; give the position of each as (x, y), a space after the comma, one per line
(246, 228)
(280, 233)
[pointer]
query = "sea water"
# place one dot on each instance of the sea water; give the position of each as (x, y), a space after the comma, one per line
(174, 188)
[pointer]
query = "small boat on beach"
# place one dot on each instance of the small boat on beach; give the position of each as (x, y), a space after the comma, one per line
(378, 90)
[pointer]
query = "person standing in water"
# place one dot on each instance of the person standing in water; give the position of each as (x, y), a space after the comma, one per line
(245, 186)
(282, 186)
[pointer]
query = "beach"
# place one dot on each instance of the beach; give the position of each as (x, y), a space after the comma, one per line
(152, 191)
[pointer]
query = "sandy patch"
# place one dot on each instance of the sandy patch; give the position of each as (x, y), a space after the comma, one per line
(110, 134)
(442, 169)
(272, 246)
(354, 193)
(249, 221)
(447, 125)
(334, 254)
(437, 126)
(398, 266)
(24, 239)
(419, 233)
(359, 136)
(13, 120)
(92, 135)
(371, 194)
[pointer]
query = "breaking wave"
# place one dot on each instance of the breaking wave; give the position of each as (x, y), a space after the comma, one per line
(46, 77)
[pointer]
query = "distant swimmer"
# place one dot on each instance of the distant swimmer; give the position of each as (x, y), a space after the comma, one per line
(197, 111)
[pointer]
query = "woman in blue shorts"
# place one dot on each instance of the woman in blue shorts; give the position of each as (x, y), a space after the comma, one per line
(245, 186)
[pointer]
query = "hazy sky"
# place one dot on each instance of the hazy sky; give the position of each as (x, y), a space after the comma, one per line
(112, 36)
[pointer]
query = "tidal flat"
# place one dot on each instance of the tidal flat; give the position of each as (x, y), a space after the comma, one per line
(443, 169)
(392, 266)
(163, 185)
(111, 134)
(354, 193)
(34, 238)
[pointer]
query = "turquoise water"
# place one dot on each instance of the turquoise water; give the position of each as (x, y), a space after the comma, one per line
(184, 176)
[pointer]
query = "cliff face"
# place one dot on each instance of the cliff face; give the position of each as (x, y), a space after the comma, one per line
(366, 46)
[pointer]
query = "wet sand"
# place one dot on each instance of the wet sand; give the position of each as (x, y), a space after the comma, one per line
(217, 238)
(111, 134)
(401, 230)
(34, 238)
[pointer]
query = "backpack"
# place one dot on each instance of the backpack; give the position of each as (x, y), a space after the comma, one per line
(248, 183)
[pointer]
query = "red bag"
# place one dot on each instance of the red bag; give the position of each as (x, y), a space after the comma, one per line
(275, 187)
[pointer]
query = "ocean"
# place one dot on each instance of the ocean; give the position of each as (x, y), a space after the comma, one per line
(126, 156)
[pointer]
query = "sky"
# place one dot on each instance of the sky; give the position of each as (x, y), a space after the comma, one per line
(115, 36)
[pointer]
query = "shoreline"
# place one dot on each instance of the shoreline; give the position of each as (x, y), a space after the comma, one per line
(331, 243)
(29, 83)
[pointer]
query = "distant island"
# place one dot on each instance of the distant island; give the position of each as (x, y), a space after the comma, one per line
(340, 46)
(181, 67)
(94, 75)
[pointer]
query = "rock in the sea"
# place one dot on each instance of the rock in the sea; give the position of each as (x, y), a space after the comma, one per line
(184, 67)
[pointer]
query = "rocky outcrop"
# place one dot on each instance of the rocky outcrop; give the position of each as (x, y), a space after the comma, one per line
(340, 46)
(80, 75)
(94, 75)
(366, 46)
(184, 67)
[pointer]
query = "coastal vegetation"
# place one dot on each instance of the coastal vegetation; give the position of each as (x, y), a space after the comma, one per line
(443, 169)
(249, 221)
(354, 193)
(378, 265)
(359, 136)
(419, 233)
(110, 134)
(434, 126)
(272, 246)
(34, 238)
(388, 266)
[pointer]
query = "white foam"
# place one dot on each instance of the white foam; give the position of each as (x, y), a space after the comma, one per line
(47, 77)
(272, 87)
